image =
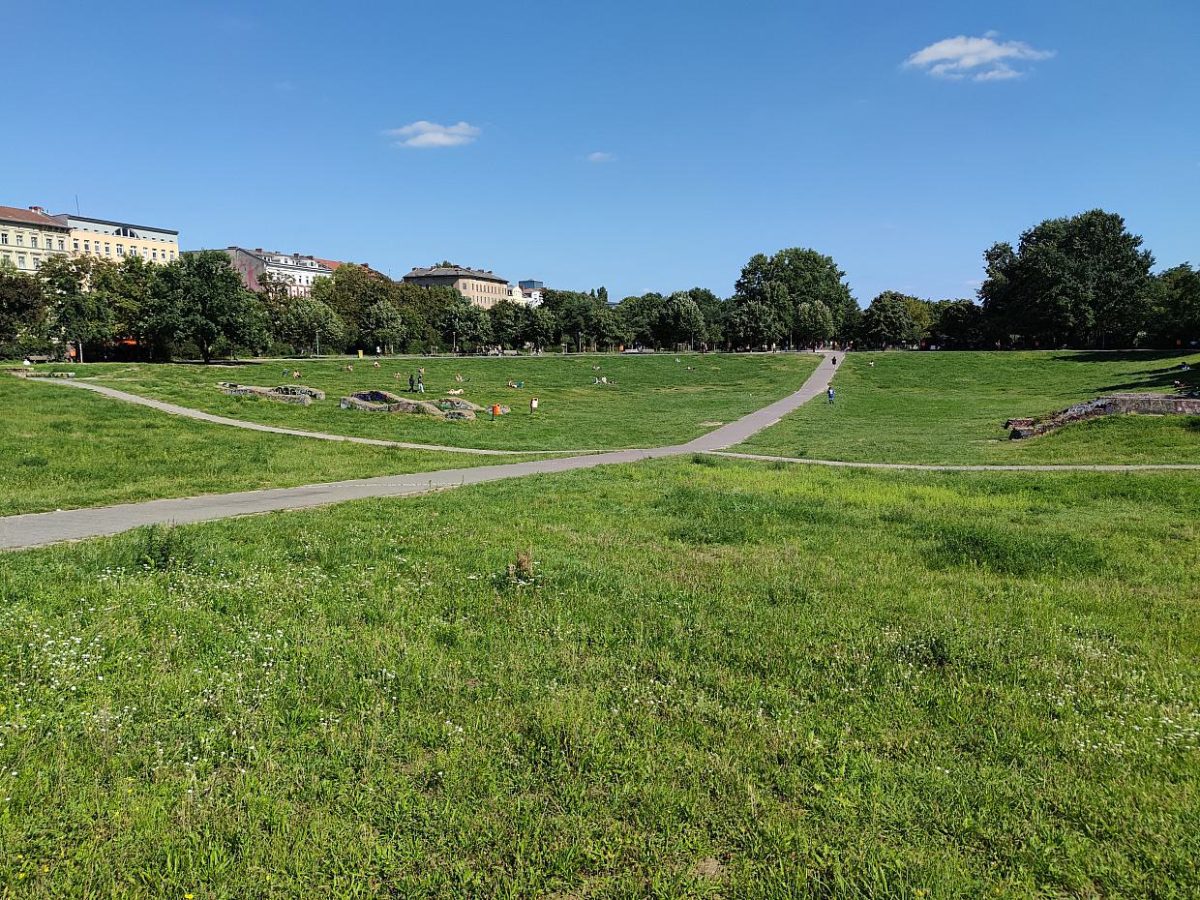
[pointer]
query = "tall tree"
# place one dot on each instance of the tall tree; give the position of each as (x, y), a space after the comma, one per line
(814, 323)
(200, 301)
(1175, 319)
(312, 326)
(507, 322)
(383, 325)
(1082, 281)
(80, 307)
(887, 322)
(753, 324)
(680, 320)
(800, 275)
(957, 325)
(22, 310)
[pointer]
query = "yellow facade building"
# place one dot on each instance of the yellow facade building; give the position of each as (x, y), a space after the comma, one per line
(484, 289)
(117, 240)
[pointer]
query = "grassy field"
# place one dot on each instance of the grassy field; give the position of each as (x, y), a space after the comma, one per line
(714, 679)
(951, 408)
(66, 449)
(650, 400)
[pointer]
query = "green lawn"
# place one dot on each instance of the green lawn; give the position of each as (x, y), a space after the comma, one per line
(720, 679)
(66, 449)
(951, 408)
(650, 401)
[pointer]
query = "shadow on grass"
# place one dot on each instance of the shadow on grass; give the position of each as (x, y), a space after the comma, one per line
(1102, 356)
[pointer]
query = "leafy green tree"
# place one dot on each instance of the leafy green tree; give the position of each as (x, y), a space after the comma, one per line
(794, 276)
(714, 310)
(680, 320)
(753, 324)
(384, 325)
(80, 307)
(610, 328)
(130, 287)
(312, 326)
(540, 328)
(1082, 281)
(958, 325)
(921, 313)
(462, 324)
(350, 292)
(199, 300)
(814, 323)
(888, 323)
(641, 316)
(22, 311)
(507, 323)
(1175, 317)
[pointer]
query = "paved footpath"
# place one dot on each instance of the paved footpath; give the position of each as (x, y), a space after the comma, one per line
(40, 529)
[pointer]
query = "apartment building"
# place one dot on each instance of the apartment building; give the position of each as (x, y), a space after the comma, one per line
(484, 289)
(297, 271)
(106, 239)
(28, 237)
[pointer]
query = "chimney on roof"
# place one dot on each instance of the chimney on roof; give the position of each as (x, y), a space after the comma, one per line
(40, 210)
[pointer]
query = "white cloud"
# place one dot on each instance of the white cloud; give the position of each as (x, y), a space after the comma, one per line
(978, 58)
(600, 156)
(430, 134)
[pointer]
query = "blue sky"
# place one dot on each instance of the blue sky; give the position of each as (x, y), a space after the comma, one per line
(637, 145)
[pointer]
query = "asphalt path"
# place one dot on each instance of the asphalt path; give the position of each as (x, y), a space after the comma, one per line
(41, 529)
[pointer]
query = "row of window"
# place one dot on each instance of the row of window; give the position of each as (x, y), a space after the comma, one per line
(487, 287)
(151, 254)
(46, 242)
(22, 260)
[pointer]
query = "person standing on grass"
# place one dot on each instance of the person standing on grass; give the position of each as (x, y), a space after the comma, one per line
(829, 395)
(412, 383)
(533, 405)
(421, 384)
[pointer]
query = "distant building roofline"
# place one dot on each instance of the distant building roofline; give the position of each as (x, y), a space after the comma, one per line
(455, 272)
(71, 216)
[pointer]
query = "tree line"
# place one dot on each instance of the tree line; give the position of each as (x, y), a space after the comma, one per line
(1083, 281)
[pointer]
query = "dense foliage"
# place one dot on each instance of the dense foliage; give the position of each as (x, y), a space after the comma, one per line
(1083, 281)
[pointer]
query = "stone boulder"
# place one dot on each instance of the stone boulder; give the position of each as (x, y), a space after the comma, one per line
(1117, 404)
(294, 394)
(385, 401)
(458, 403)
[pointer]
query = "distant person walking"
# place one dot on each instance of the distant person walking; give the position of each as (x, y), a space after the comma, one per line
(829, 395)
(533, 405)
(412, 383)
(421, 385)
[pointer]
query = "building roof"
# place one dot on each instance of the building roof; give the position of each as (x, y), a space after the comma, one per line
(293, 258)
(455, 272)
(30, 217)
(69, 217)
(330, 264)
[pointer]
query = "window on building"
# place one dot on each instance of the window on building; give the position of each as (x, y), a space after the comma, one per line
(20, 239)
(62, 244)
(20, 260)
(108, 250)
(154, 254)
(120, 249)
(87, 246)
(75, 245)
(33, 241)
(3, 237)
